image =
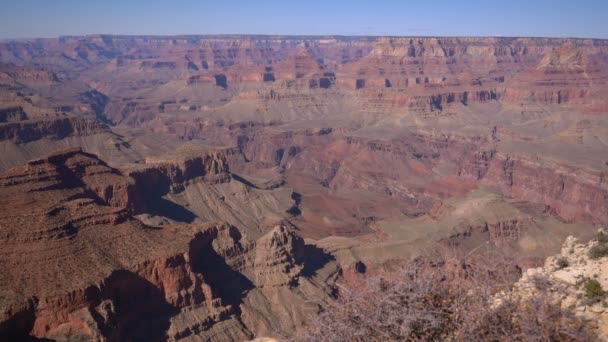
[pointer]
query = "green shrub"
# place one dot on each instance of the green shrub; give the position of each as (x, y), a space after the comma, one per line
(593, 289)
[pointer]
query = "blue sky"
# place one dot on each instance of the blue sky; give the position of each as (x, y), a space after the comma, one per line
(548, 18)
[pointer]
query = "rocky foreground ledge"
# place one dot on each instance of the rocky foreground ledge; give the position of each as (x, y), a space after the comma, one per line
(577, 278)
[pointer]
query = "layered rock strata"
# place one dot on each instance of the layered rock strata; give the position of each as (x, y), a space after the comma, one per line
(93, 271)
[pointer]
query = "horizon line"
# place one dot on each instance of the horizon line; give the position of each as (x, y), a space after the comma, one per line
(288, 36)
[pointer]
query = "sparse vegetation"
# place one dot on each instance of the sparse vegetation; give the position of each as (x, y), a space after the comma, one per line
(593, 290)
(541, 282)
(443, 300)
(600, 248)
(562, 262)
(601, 237)
(598, 251)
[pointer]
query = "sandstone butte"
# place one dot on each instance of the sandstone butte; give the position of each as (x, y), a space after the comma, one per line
(217, 187)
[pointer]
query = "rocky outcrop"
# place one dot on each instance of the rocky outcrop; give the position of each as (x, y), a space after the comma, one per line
(94, 271)
(569, 275)
(159, 176)
(12, 114)
(27, 131)
(11, 73)
(71, 168)
(572, 193)
(50, 213)
(279, 257)
(431, 72)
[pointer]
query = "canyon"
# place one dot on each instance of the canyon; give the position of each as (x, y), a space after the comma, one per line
(229, 183)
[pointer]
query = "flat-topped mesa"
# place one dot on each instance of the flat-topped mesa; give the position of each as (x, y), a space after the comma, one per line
(11, 72)
(130, 189)
(299, 65)
(173, 172)
(56, 128)
(187, 164)
(66, 170)
(202, 78)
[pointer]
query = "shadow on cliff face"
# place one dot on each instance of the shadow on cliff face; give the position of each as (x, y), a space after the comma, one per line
(149, 191)
(314, 259)
(126, 307)
(163, 207)
(98, 102)
(140, 311)
(148, 198)
(244, 181)
(228, 283)
(18, 327)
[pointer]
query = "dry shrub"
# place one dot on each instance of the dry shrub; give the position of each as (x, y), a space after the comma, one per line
(562, 262)
(443, 299)
(600, 249)
(405, 304)
(601, 236)
(535, 318)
